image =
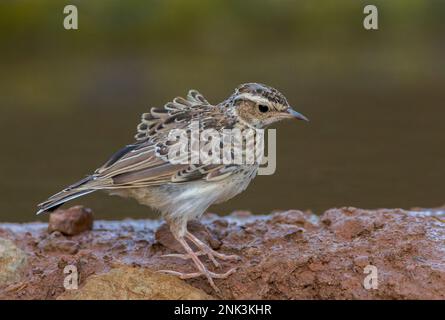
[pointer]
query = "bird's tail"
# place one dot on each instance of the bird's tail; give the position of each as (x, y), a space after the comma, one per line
(74, 191)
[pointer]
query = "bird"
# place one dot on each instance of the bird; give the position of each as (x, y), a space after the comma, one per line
(183, 190)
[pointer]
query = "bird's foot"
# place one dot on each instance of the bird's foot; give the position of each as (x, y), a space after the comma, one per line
(223, 256)
(204, 249)
(211, 254)
(184, 256)
(208, 274)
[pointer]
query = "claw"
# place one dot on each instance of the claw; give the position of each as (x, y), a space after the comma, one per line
(188, 256)
(191, 275)
(208, 274)
(184, 256)
(180, 274)
(226, 257)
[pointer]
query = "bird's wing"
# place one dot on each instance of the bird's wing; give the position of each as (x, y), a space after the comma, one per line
(146, 162)
(175, 111)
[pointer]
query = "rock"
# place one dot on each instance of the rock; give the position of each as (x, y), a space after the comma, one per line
(284, 255)
(13, 262)
(57, 244)
(128, 283)
(405, 250)
(72, 221)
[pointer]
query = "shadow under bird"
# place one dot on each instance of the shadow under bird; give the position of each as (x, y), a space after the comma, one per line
(183, 191)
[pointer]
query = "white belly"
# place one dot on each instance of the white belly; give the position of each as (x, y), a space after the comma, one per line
(190, 200)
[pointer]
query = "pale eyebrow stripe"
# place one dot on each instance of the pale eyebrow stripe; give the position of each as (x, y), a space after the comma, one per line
(252, 97)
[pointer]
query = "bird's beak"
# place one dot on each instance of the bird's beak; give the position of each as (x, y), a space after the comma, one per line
(296, 115)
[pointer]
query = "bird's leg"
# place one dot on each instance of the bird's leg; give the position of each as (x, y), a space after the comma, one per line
(204, 249)
(209, 251)
(203, 271)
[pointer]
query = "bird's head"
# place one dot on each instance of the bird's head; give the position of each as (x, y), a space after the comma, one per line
(260, 105)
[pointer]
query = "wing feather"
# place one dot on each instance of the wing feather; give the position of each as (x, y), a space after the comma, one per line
(145, 162)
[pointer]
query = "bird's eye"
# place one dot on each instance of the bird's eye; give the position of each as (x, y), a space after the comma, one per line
(263, 108)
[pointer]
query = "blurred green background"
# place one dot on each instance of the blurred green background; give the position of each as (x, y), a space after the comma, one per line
(70, 98)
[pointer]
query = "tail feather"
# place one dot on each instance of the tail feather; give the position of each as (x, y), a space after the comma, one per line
(72, 192)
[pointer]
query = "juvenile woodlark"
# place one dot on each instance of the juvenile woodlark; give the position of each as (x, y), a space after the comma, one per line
(183, 190)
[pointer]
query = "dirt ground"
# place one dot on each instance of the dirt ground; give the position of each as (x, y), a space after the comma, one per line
(345, 253)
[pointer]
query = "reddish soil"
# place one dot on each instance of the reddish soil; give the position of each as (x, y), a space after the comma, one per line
(285, 255)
